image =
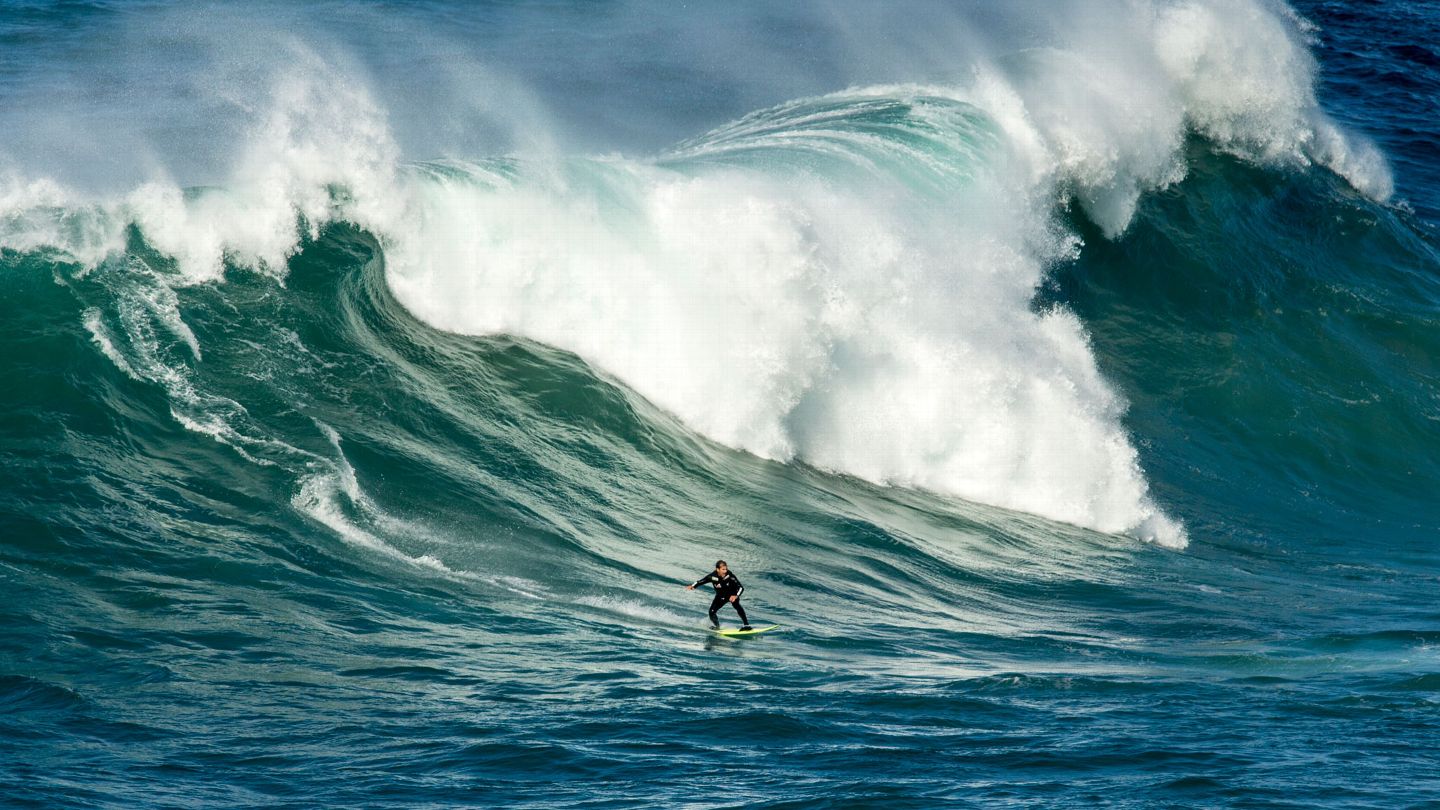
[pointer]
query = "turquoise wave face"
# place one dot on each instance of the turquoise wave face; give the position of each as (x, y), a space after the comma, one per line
(1282, 331)
(333, 528)
(359, 481)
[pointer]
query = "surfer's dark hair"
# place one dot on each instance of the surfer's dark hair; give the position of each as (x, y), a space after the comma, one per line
(719, 563)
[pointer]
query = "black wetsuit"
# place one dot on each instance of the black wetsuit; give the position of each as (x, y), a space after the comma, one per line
(725, 587)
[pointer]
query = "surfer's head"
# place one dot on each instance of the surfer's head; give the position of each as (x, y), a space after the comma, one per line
(721, 567)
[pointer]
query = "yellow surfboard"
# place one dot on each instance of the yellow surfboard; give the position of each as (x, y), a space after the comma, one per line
(737, 633)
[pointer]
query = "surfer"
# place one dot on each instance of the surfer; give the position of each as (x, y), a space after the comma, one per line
(727, 589)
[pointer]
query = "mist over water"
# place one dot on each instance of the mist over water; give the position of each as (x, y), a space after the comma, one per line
(1061, 376)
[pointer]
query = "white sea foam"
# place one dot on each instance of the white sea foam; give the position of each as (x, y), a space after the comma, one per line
(100, 334)
(324, 495)
(787, 313)
(637, 609)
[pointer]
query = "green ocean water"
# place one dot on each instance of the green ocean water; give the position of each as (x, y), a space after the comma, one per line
(1082, 465)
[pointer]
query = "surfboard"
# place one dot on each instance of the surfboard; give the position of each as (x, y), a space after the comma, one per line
(737, 633)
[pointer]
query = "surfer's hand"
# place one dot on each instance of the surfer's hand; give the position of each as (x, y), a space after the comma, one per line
(689, 587)
(733, 598)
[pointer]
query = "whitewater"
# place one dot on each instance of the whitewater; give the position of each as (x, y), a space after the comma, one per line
(1061, 376)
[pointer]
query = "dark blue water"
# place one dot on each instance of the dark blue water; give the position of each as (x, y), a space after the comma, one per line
(1063, 378)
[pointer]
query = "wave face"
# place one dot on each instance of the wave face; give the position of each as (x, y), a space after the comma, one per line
(1061, 376)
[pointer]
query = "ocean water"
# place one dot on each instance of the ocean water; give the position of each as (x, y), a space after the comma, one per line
(1063, 377)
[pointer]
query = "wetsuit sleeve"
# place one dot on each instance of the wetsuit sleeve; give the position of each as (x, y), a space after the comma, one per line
(708, 578)
(739, 589)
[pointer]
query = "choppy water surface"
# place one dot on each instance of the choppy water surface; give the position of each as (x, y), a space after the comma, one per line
(1061, 377)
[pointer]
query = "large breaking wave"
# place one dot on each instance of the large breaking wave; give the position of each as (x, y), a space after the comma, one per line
(846, 280)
